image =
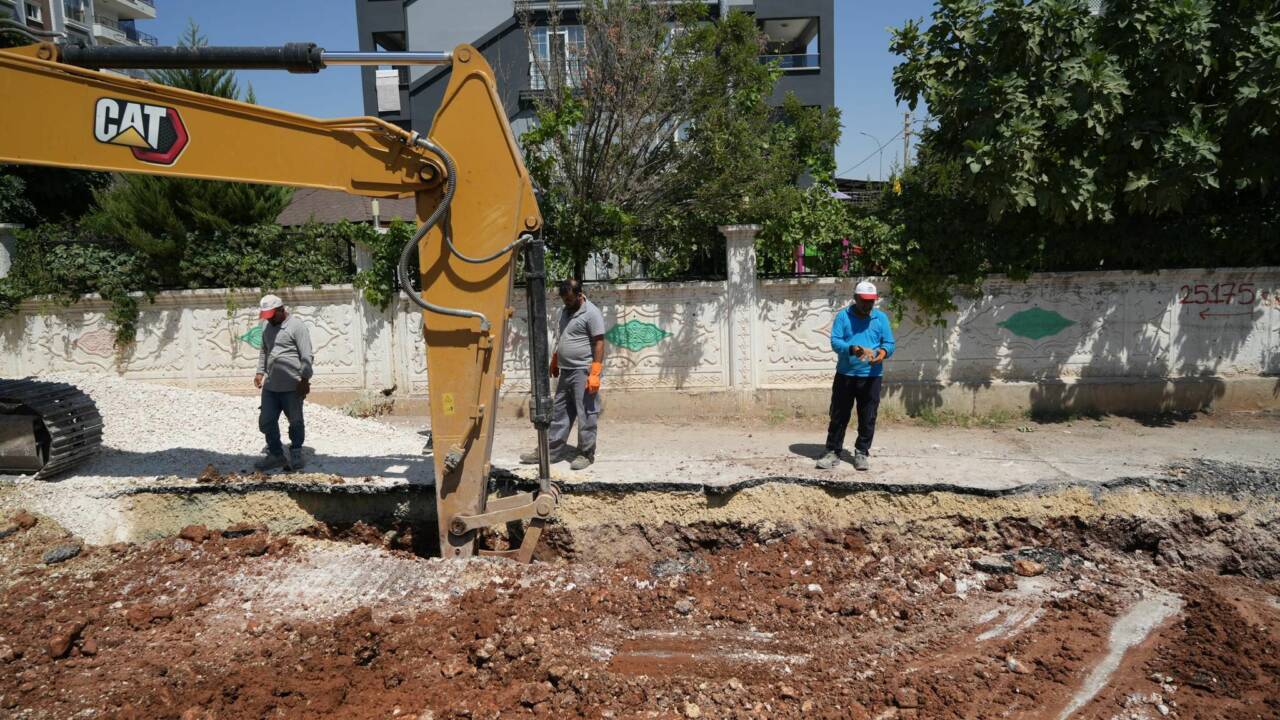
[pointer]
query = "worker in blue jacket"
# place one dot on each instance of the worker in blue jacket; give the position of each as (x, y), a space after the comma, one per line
(862, 340)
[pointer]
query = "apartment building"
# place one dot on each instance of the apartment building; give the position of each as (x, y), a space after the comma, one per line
(801, 37)
(91, 22)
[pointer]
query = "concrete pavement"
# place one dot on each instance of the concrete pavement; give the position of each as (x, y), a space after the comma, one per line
(908, 452)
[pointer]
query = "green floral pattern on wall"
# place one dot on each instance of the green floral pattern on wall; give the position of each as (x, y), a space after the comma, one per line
(253, 337)
(1036, 323)
(636, 335)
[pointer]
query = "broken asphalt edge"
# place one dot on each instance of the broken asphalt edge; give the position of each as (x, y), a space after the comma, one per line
(1200, 476)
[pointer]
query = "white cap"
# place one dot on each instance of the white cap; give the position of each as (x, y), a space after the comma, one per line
(268, 304)
(865, 291)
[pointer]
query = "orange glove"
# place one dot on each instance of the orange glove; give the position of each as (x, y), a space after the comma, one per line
(593, 379)
(555, 365)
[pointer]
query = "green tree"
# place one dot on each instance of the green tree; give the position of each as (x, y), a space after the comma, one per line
(1139, 137)
(15, 206)
(656, 127)
(159, 215)
(31, 195)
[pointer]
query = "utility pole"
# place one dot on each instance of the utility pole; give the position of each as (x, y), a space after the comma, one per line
(906, 140)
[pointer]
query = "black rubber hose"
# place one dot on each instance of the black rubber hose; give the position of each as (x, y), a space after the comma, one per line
(406, 254)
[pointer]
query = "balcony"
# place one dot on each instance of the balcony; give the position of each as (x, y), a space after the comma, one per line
(793, 43)
(136, 35)
(107, 30)
(793, 62)
(127, 9)
(120, 32)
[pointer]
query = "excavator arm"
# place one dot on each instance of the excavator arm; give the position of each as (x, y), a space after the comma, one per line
(474, 200)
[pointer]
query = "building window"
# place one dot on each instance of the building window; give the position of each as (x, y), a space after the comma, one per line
(34, 15)
(556, 56)
(75, 11)
(792, 43)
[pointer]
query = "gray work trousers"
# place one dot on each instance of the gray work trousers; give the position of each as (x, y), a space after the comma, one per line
(573, 402)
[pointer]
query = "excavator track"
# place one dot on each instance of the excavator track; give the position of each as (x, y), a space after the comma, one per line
(46, 428)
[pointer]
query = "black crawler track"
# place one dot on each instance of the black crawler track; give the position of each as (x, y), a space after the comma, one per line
(70, 418)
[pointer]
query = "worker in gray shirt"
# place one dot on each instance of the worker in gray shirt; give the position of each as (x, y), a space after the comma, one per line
(284, 376)
(577, 362)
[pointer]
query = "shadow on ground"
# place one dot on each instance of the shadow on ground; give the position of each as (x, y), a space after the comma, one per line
(189, 463)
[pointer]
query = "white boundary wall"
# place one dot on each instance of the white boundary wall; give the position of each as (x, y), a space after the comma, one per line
(736, 336)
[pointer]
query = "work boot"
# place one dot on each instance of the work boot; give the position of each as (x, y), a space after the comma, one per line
(296, 461)
(269, 461)
(860, 461)
(828, 461)
(531, 457)
(582, 462)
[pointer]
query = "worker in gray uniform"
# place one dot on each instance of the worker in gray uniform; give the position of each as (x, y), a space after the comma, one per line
(576, 362)
(284, 376)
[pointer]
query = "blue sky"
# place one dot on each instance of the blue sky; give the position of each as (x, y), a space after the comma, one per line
(864, 66)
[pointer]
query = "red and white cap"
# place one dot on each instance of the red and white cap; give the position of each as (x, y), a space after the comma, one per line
(865, 291)
(268, 304)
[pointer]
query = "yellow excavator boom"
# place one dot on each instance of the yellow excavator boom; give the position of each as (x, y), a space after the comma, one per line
(474, 200)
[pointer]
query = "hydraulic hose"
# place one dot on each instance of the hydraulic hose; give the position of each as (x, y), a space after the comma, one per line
(442, 213)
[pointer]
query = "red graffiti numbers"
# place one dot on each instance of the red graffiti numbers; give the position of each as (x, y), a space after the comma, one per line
(1218, 294)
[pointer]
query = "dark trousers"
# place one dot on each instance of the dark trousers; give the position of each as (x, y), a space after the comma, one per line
(274, 403)
(845, 391)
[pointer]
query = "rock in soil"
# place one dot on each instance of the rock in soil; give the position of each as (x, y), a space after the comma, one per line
(1027, 568)
(1016, 666)
(906, 697)
(194, 533)
(249, 545)
(993, 564)
(21, 520)
(61, 553)
(60, 643)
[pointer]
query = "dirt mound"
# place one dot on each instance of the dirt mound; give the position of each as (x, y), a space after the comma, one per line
(235, 622)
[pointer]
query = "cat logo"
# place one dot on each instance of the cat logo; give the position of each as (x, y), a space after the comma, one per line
(154, 133)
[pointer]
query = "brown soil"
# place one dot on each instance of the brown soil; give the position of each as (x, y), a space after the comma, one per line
(828, 626)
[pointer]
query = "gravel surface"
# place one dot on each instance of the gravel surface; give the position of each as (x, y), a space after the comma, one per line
(157, 436)
(161, 431)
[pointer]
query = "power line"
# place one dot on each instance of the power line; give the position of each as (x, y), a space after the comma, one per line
(915, 122)
(873, 154)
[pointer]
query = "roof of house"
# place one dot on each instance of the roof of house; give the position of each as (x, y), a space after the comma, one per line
(331, 206)
(481, 43)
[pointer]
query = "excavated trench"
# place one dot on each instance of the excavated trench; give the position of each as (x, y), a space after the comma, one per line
(1139, 598)
(1210, 516)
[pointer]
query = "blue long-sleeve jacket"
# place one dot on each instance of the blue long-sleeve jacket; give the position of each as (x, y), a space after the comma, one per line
(872, 332)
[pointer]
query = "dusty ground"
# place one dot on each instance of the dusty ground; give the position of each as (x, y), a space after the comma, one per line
(1087, 568)
(960, 618)
(992, 452)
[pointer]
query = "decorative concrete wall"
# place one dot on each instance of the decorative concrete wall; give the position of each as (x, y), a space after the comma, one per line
(735, 337)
